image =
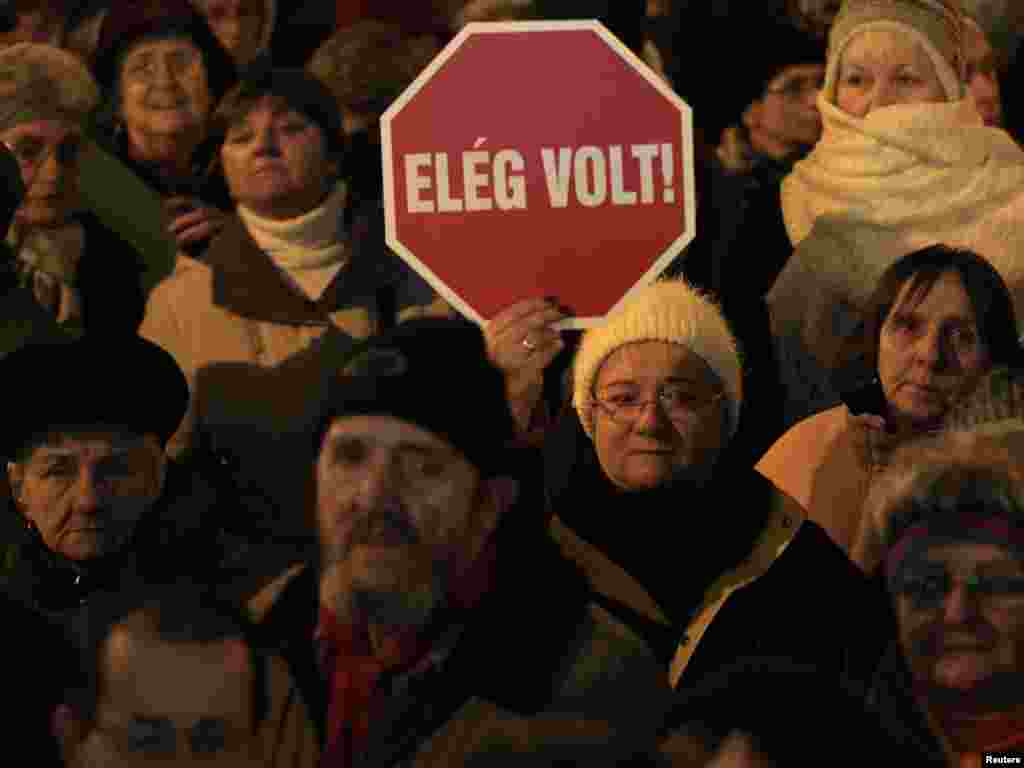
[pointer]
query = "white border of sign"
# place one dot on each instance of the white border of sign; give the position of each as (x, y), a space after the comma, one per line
(482, 28)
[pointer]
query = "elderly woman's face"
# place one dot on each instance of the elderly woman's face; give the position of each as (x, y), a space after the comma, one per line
(276, 161)
(881, 67)
(658, 411)
(930, 353)
(957, 635)
(86, 493)
(164, 88)
(47, 154)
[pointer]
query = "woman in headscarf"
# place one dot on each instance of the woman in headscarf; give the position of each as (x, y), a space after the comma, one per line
(905, 161)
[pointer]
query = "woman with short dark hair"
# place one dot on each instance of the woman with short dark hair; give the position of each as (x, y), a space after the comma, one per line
(937, 321)
(283, 294)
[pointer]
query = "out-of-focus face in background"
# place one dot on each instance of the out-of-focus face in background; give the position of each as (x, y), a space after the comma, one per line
(238, 24)
(164, 90)
(960, 607)
(982, 74)
(47, 153)
(880, 68)
(787, 116)
(171, 704)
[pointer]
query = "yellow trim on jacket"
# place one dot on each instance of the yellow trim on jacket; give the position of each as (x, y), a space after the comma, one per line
(784, 520)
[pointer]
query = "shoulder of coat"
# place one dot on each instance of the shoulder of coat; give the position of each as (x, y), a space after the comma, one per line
(809, 437)
(188, 276)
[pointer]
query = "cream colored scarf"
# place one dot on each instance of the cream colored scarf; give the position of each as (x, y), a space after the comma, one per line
(929, 167)
(310, 249)
(908, 176)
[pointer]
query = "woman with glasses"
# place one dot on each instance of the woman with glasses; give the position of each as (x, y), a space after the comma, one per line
(905, 161)
(78, 270)
(954, 568)
(938, 320)
(707, 557)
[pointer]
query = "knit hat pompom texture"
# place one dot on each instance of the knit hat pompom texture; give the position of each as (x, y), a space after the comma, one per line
(42, 82)
(668, 310)
(936, 25)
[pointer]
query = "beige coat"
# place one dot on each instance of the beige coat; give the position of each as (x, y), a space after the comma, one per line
(258, 356)
(828, 462)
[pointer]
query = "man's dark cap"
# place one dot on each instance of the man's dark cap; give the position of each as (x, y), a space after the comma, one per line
(120, 382)
(433, 373)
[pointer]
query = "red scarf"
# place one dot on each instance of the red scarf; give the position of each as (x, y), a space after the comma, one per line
(353, 669)
(973, 734)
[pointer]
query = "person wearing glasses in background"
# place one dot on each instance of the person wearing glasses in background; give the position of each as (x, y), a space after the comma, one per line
(779, 122)
(954, 568)
(78, 269)
(708, 559)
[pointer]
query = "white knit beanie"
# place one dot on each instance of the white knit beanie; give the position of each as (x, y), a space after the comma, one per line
(668, 310)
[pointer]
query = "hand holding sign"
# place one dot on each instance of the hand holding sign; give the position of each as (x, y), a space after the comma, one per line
(522, 342)
(537, 158)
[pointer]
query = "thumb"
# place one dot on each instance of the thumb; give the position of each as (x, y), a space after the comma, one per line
(737, 751)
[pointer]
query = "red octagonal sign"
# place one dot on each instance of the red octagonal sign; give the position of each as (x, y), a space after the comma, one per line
(538, 159)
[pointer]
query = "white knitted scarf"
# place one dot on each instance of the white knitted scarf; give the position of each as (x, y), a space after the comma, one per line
(310, 249)
(905, 177)
(932, 169)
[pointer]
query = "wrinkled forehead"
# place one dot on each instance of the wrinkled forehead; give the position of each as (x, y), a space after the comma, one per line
(78, 441)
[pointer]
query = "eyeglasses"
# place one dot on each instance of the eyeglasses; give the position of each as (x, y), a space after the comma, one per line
(678, 403)
(928, 586)
(797, 87)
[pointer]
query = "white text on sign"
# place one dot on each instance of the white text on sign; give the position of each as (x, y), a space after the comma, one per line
(592, 176)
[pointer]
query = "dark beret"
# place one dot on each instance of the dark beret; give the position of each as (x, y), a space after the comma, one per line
(124, 382)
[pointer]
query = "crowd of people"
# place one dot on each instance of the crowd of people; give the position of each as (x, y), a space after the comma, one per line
(268, 500)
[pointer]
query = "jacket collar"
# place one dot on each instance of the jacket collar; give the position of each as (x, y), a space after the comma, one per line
(247, 283)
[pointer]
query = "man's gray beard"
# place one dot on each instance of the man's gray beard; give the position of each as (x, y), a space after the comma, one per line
(399, 608)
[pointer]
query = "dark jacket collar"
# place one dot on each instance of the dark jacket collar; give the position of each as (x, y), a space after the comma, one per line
(247, 283)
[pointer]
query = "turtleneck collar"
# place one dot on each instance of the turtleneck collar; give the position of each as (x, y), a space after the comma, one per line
(314, 240)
